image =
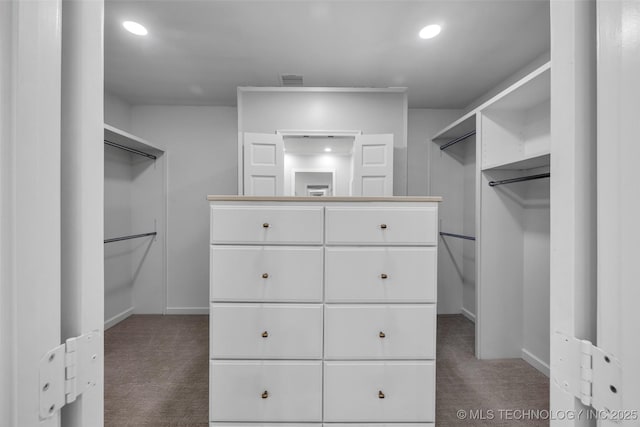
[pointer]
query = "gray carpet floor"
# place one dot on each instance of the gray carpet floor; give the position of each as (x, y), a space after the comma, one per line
(156, 374)
(491, 388)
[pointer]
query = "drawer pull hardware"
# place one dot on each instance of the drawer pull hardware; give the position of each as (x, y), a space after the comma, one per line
(265, 334)
(383, 276)
(382, 334)
(265, 394)
(265, 275)
(383, 226)
(265, 225)
(380, 394)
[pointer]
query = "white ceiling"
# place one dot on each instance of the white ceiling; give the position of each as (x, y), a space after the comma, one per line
(198, 52)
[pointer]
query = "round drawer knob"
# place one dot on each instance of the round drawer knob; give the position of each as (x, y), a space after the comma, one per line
(383, 276)
(266, 225)
(265, 334)
(382, 334)
(265, 275)
(380, 394)
(265, 394)
(383, 226)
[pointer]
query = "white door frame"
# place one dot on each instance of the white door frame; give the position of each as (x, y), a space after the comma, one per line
(573, 187)
(50, 107)
(83, 191)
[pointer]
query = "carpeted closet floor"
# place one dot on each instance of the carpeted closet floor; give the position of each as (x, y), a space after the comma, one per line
(156, 374)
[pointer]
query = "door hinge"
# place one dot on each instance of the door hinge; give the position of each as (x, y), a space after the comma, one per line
(587, 372)
(67, 371)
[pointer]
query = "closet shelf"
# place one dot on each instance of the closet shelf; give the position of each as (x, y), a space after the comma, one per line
(526, 93)
(117, 137)
(532, 90)
(532, 161)
(463, 126)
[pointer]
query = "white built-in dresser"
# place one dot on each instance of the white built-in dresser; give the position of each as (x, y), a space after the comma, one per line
(323, 311)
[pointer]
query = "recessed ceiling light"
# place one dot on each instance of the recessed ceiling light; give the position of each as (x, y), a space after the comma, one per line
(135, 28)
(430, 31)
(327, 150)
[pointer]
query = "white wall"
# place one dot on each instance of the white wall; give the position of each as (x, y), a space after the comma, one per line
(118, 266)
(536, 275)
(341, 164)
(432, 172)
(118, 277)
(370, 112)
(422, 125)
(469, 229)
(201, 144)
(134, 204)
(148, 214)
(117, 112)
(201, 155)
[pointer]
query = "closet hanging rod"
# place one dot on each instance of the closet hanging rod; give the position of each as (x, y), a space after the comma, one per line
(522, 178)
(459, 236)
(133, 236)
(458, 139)
(131, 150)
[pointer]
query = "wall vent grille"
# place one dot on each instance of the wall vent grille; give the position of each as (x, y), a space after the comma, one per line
(294, 80)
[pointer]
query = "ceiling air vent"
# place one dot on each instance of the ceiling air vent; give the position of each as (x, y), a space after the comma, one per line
(291, 80)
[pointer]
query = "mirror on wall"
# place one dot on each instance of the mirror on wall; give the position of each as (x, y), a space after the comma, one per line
(318, 165)
(313, 183)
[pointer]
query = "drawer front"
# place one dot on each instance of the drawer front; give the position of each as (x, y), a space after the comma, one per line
(266, 331)
(267, 273)
(264, 391)
(277, 425)
(266, 224)
(381, 274)
(379, 392)
(381, 226)
(380, 332)
(379, 425)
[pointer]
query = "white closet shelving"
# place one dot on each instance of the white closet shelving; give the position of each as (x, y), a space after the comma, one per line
(512, 141)
(514, 125)
(134, 232)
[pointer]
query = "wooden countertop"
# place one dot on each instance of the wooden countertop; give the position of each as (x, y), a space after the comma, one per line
(323, 199)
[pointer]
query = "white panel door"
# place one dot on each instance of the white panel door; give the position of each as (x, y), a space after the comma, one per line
(263, 164)
(618, 204)
(372, 173)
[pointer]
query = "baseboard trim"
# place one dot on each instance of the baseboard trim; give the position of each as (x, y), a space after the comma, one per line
(187, 310)
(535, 361)
(117, 318)
(469, 315)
